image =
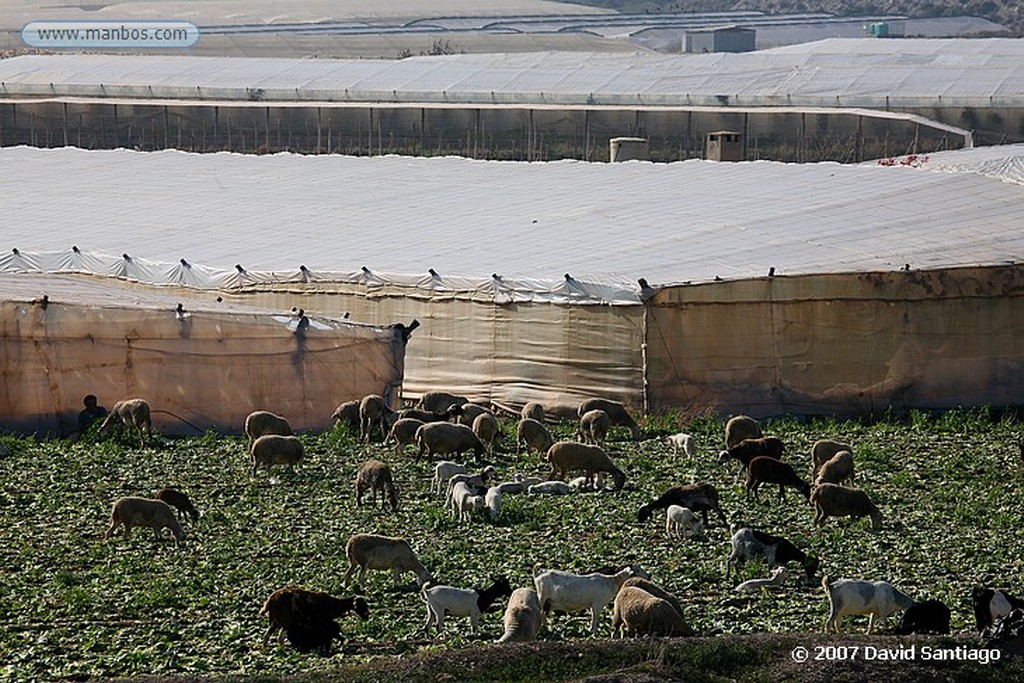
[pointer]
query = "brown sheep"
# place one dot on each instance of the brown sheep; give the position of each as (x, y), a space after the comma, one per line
(375, 476)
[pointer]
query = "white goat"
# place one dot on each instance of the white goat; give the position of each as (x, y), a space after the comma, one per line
(556, 487)
(443, 471)
(852, 596)
(680, 522)
(777, 578)
(574, 592)
(682, 442)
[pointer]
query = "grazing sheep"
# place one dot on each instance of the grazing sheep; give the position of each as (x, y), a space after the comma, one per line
(370, 551)
(567, 456)
(347, 414)
(273, 449)
(682, 442)
(837, 469)
(748, 544)
(477, 483)
(593, 428)
(853, 596)
(443, 471)
(642, 581)
(444, 438)
(777, 578)
(532, 411)
(535, 435)
(421, 415)
(261, 422)
(375, 476)
(765, 470)
(307, 617)
(132, 413)
(463, 502)
(466, 413)
(573, 592)
(928, 616)
(739, 428)
(585, 484)
(522, 617)
(637, 612)
(748, 449)
(618, 416)
(131, 511)
(403, 431)
(492, 501)
(556, 487)
(439, 401)
(485, 426)
(698, 497)
(680, 522)
(179, 501)
(373, 411)
(461, 602)
(992, 604)
(822, 451)
(831, 500)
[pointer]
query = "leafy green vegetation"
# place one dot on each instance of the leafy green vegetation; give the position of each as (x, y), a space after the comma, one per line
(73, 604)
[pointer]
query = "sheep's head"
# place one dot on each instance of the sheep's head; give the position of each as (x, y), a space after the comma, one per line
(644, 513)
(619, 478)
(811, 565)
(723, 457)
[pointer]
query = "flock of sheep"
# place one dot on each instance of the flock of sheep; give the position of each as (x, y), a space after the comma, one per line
(442, 424)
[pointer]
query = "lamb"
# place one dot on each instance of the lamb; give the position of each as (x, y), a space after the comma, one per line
(618, 416)
(375, 476)
(403, 431)
(347, 414)
(748, 544)
(929, 616)
(822, 451)
(573, 592)
(132, 413)
(443, 471)
(439, 401)
(273, 449)
(777, 578)
(519, 485)
(462, 501)
(852, 596)
(179, 501)
(308, 616)
(765, 470)
(593, 428)
(566, 456)
(698, 497)
(492, 501)
(261, 422)
(837, 469)
(679, 521)
(522, 617)
(682, 442)
(640, 613)
(443, 438)
(532, 411)
(739, 428)
(371, 551)
(132, 511)
(992, 604)
(535, 435)
(372, 411)
(476, 482)
(748, 449)
(485, 426)
(461, 602)
(556, 487)
(831, 500)
(585, 484)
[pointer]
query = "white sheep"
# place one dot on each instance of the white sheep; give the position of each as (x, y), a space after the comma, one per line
(534, 435)
(532, 410)
(461, 602)
(261, 422)
(522, 617)
(132, 511)
(832, 500)
(463, 502)
(680, 522)
(273, 449)
(492, 501)
(477, 483)
(567, 456)
(443, 471)
(507, 487)
(403, 431)
(371, 551)
(837, 469)
(777, 578)
(584, 483)
(682, 442)
(574, 592)
(640, 613)
(852, 596)
(556, 487)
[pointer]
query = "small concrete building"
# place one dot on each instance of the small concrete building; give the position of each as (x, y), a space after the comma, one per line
(724, 145)
(720, 39)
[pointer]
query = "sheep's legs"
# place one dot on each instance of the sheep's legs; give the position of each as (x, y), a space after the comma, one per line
(596, 611)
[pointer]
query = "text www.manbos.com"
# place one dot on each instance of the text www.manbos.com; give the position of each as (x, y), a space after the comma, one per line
(58, 34)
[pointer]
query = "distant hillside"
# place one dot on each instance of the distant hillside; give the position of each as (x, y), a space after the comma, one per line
(1009, 13)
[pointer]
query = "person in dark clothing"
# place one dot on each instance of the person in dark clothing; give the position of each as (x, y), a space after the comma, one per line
(92, 412)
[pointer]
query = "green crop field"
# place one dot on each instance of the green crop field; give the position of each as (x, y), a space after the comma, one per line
(75, 605)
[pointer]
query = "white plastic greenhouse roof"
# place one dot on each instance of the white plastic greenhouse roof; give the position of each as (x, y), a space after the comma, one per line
(834, 73)
(606, 225)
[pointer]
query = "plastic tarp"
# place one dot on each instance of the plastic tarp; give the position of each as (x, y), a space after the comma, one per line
(208, 365)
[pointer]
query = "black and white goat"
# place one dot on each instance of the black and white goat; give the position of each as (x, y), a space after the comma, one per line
(749, 544)
(698, 497)
(991, 604)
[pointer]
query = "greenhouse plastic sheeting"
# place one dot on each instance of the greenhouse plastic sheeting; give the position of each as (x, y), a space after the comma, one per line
(208, 365)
